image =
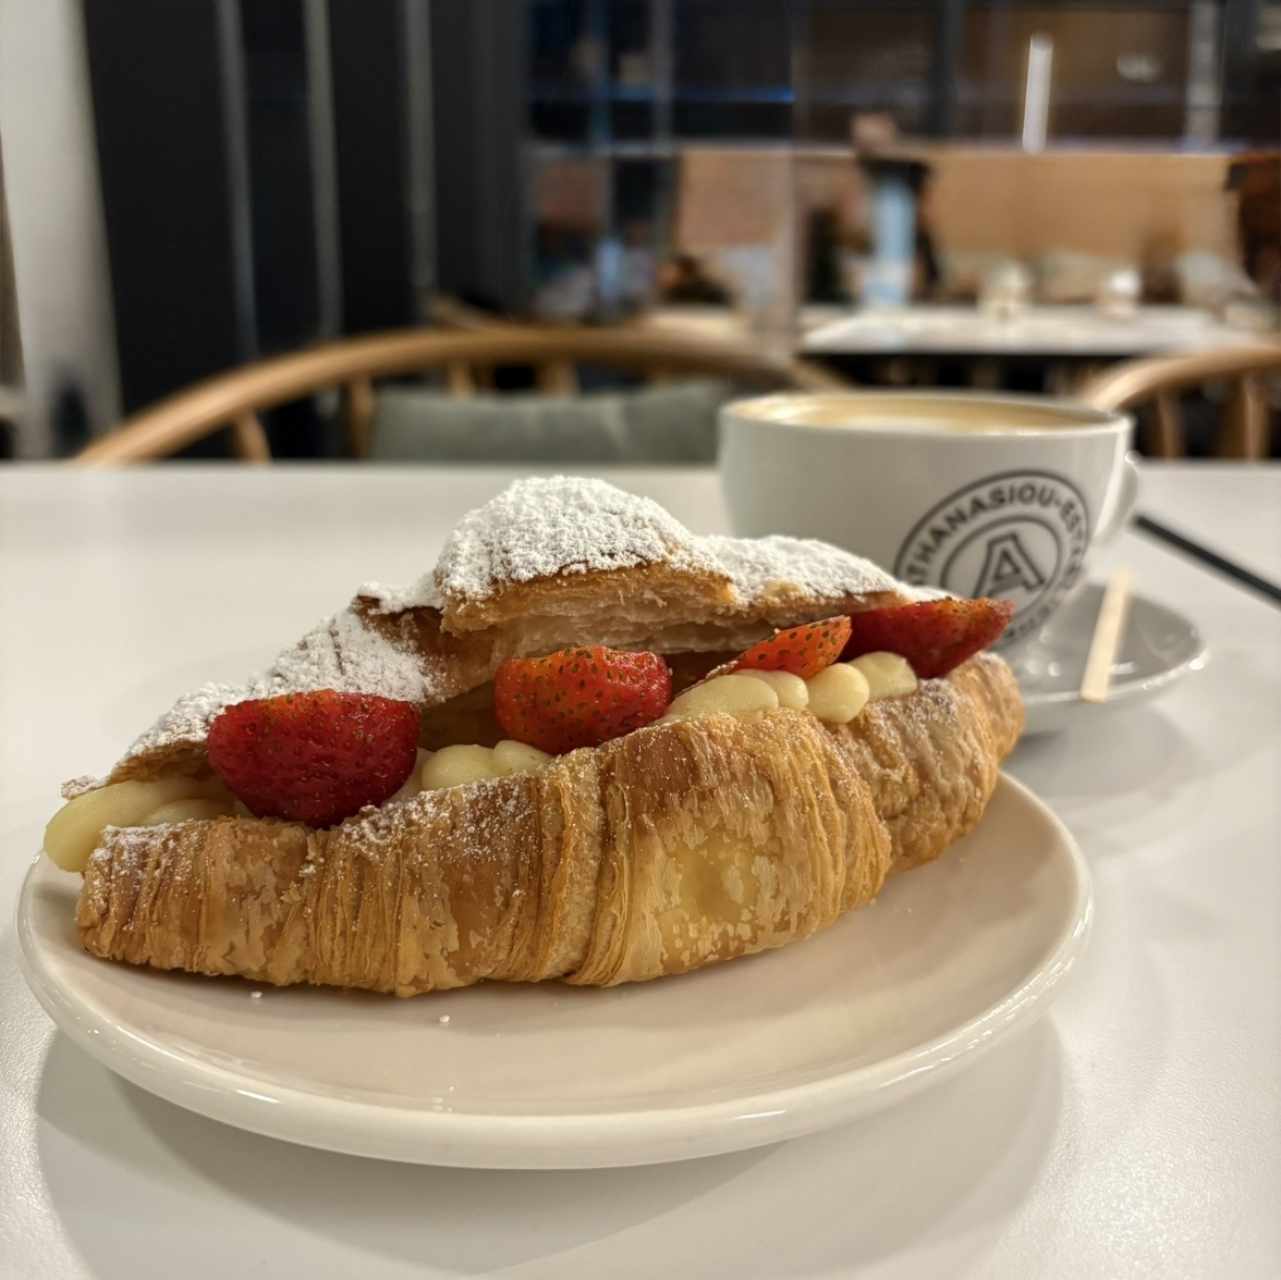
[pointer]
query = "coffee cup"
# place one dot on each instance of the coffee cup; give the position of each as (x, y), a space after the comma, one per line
(979, 495)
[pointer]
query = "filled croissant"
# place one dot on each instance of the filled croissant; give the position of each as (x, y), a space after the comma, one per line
(588, 746)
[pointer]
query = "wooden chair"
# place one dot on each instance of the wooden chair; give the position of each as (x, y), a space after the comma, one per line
(1246, 429)
(234, 400)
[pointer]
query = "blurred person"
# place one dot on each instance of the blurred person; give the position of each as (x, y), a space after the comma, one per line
(897, 180)
(682, 279)
(1257, 181)
(566, 281)
(639, 269)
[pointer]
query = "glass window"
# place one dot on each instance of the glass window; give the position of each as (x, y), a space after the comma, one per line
(864, 57)
(732, 61)
(1116, 72)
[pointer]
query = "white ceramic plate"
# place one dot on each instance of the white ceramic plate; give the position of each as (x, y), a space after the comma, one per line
(951, 959)
(1158, 648)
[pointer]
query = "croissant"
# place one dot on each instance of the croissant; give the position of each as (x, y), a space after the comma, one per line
(677, 845)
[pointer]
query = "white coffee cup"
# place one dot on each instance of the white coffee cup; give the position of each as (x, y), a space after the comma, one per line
(981, 495)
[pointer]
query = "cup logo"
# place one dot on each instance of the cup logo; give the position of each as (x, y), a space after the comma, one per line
(1020, 534)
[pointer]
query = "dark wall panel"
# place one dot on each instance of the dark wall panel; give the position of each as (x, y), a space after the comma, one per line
(480, 104)
(286, 299)
(371, 130)
(160, 112)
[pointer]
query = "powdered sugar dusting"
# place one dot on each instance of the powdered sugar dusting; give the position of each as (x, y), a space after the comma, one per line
(489, 825)
(763, 567)
(482, 818)
(123, 855)
(381, 826)
(79, 786)
(535, 528)
(936, 708)
(341, 653)
(489, 809)
(344, 654)
(422, 594)
(538, 528)
(935, 701)
(189, 718)
(542, 527)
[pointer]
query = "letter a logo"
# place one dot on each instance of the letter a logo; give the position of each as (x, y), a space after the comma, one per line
(1007, 567)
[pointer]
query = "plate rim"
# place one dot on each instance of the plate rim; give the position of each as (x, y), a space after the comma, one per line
(571, 1140)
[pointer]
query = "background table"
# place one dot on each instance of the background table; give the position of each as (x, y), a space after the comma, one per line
(1136, 1131)
(1040, 330)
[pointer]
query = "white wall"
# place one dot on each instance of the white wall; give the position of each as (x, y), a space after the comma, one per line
(55, 213)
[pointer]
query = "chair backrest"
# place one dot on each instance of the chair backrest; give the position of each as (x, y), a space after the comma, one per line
(234, 400)
(1160, 379)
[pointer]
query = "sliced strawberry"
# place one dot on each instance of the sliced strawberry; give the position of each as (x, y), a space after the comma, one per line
(934, 636)
(804, 651)
(580, 697)
(315, 757)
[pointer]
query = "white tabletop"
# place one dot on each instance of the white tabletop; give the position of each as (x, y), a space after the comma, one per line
(1080, 331)
(1136, 1131)
(1231, 509)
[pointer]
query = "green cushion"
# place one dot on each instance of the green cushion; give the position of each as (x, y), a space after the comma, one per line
(668, 424)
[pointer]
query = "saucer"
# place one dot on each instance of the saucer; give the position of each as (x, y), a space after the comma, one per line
(1158, 648)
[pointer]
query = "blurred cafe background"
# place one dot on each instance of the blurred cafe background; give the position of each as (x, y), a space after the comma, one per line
(591, 221)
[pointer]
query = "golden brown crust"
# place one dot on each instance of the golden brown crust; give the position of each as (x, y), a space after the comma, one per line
(673, 847)
(931, 760)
